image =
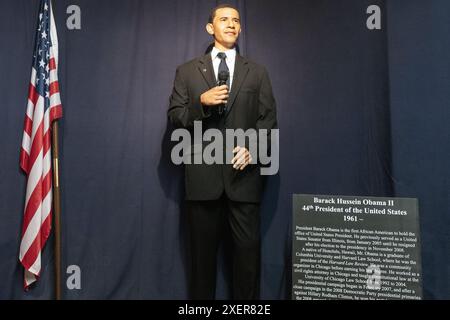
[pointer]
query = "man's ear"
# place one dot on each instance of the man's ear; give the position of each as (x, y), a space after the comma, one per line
(210, 29)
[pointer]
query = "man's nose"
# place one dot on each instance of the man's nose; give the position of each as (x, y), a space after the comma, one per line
(231, 24)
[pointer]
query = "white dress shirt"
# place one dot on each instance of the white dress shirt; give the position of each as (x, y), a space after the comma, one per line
(230, 60)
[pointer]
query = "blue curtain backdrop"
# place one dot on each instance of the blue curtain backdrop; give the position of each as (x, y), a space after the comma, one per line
(360, 112)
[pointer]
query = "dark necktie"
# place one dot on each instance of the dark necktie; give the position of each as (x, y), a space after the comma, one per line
(223, 66)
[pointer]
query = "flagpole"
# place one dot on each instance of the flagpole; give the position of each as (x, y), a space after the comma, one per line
(57, 209)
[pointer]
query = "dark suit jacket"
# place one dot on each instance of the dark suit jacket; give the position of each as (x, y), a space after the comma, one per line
(251, 105)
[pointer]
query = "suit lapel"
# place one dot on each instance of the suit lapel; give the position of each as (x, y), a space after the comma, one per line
(240, 73)
(206, 69)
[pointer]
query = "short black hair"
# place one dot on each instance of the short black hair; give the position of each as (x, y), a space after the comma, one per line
(220, 6)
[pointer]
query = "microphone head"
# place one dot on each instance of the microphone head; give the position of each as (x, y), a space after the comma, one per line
(223, 76)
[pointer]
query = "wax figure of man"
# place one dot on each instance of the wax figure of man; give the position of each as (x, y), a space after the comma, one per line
(223, 196)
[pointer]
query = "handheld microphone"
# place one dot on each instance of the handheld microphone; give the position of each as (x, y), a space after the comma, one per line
(223, 78)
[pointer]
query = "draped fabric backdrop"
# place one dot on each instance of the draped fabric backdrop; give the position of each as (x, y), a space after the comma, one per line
(361, 112)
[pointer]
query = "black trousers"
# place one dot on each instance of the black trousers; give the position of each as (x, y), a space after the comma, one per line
(207, 222)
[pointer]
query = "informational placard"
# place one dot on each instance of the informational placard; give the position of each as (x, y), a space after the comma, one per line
(355, 248)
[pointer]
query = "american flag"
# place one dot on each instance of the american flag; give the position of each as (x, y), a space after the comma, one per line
(44, 106)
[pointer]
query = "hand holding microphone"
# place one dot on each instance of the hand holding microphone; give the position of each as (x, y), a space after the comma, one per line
(223, 78)
(217, 96)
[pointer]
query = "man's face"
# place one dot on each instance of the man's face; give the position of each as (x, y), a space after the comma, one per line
(225, 27)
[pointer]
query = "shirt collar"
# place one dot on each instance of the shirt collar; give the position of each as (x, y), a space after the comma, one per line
(231, 53)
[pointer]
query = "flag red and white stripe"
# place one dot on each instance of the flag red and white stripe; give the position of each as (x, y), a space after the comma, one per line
(44, 106)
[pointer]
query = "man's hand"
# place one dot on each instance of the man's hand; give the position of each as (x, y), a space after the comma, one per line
(215, 96)
(241, 159)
